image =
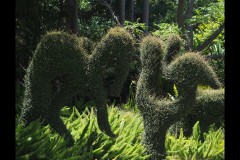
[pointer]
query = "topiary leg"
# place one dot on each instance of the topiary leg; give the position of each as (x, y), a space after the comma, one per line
(154, 139)
(102, 114)
(57, 124)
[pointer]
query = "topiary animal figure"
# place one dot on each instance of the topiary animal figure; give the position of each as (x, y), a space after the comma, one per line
(208, 109)
(159, 114)
(62, 67)
(172, 50)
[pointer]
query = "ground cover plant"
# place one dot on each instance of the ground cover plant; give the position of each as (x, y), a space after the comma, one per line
(42, 142)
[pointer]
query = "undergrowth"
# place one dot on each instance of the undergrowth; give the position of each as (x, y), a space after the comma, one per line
(42, 142)
(36, 142)
(192, 148)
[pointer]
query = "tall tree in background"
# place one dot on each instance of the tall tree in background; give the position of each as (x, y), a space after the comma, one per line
(71, 16)
(189, 27)
(122, 12)
(130, 10)
(180, 13)
(146, 14)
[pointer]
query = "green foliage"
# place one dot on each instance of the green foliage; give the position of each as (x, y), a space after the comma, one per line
(95, 27)
(60, 68)
(84, 5)
(41, 142)
(38, 142)
(216, 48)
(211, 11)
(193, 148)
(136, 28)
(203, 32)
(166, 29)
(209, 17)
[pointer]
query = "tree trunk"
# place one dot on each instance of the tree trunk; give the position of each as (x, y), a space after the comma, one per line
(180, 15)
(210, 39)
(122, 12)
(71, 16)
(146, 14)
(189, 27)
(103, 2)
(61, 14)
(130, 10)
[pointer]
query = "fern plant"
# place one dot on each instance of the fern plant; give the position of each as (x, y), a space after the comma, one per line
(37, 142)
(193, 148)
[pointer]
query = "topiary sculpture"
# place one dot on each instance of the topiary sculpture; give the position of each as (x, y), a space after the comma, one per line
(208, 109)
(187, 72)
(172, 50)
(63, 66)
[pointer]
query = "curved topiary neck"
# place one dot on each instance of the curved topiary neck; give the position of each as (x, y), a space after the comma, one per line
(151, 57)
(187, 93)
(114, 49)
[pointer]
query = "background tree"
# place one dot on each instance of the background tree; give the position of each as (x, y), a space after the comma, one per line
(71, 16)
(122, 12)
(180, 15)
(130, 10)
(145, 14)
(189, 27)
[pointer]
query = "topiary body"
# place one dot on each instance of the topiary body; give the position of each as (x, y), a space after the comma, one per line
(63, 66)
(172, 50)
(208, 110)
(159, 114)
(206, 102)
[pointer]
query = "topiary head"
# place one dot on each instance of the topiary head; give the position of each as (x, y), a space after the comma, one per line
(86, 44)
(173, 47)
(114, 54)
(191, 69)
(151, 53)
